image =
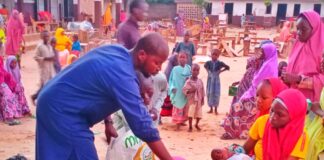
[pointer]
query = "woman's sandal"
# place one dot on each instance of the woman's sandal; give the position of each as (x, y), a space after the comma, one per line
(14, 122)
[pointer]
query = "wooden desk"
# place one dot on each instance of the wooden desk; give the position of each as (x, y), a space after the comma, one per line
(232, 39)
(256, 40)
(249, 34)
(53, 25)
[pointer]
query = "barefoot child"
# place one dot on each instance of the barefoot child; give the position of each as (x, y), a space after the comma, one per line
(195, 93)
(178, 77)
(214, 68)
(76, 46)
(45, 58)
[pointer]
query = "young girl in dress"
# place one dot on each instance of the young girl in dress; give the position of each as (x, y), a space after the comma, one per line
(178, 77)
(12, 68)
(195, 93)
(214, 68)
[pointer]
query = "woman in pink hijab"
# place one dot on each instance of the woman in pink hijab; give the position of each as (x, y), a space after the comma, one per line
(284, 135)
(304, 64)
(15, 31)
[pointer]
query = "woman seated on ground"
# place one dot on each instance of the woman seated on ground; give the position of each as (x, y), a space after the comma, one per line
(253, 65)
(8, 99)
(279, 135)
(243, 113)
(63, 45)
(12, 68)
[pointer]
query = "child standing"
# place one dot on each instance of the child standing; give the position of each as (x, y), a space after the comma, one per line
(160, 86)
(194, 91)
(281, 67)
(187, 46)
(178, 77)
(76, 46)
(57, 65)
(214, 68)
(45, 57)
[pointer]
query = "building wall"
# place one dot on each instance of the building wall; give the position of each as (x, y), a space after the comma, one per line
(159, 11)
(54, 9)
(260, 8)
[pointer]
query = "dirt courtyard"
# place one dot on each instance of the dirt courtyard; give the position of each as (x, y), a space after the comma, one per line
(192, 146)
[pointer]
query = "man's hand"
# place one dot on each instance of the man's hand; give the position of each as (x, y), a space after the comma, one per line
(290, 78)
(154, 114)
(110, 131)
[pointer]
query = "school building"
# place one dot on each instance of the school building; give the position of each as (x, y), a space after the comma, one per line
(264, 15)
(67, 10)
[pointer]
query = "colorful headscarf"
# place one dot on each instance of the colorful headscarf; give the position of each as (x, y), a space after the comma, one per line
(15, 31)
(305, 58)
(107, 19)
(62, 41)
(278, 143)
(277, 86)
(15, 72)
(6, 77)
(268, 69)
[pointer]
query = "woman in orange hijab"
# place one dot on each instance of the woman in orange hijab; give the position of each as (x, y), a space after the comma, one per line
(63, 45)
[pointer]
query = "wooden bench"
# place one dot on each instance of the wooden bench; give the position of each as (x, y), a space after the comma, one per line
(245, 33)
(257, 40)
(38, 26)
(203, 48)
(232, 39)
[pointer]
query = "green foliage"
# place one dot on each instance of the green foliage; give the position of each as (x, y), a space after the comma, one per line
(199, 2)
(267, 2)
(160, 1)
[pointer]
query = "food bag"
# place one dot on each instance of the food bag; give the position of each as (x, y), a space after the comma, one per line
(127, 146)
(232, 90)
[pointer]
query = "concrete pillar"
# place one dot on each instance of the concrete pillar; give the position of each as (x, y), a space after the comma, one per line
(97, 13)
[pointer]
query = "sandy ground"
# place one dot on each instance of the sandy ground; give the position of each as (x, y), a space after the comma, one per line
(192, 146)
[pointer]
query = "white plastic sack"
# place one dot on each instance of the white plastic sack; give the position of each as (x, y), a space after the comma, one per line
(127, 146)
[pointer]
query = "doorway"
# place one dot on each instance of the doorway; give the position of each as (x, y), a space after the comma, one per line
(317, 8)
(281, 12)
(229, 10)
(68, 10)
(248, 10)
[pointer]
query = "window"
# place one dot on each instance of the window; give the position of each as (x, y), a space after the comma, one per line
(208, 8)
(317, 8)
(269, 8)
(296, 10)
(248, 9)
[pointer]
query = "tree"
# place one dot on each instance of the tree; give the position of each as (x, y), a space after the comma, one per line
(160, 1)
(199, 2)
(267, 2)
